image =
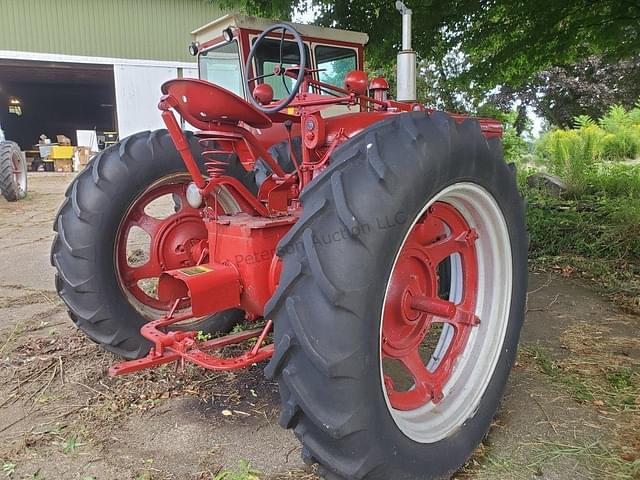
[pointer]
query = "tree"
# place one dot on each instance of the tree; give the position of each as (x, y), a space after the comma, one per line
(506, 40)
(515, 45)
(588, 87)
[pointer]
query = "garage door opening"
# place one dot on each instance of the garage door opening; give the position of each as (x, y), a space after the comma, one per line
(55, 99)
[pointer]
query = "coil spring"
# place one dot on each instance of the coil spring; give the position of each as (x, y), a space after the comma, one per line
(215, 165)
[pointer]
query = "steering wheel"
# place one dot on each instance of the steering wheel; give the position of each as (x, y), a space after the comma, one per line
(277, 71)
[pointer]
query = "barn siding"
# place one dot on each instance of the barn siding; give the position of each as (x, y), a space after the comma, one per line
(134, 29)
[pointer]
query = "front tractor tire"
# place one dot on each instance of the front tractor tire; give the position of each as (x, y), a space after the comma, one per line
(110, 206)
(381, 374)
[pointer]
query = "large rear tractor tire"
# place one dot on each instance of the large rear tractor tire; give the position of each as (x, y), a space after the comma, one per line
(123, 221)
(13, 172)
(385, 373)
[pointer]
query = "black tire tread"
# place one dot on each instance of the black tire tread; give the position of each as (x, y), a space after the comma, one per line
(75, 260)
(10, 190)
(324, 428)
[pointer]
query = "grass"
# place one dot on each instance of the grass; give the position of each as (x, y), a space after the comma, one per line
(596, 372)
(601, 462)
(580, 388)
(606, 384)
(244, 472)
(597, 462)
(594, 230)
(596, 237)
(606, 387)
(9, 468)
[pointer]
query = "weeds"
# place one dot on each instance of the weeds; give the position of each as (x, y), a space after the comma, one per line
(595, 461)
(70, 444)
(580, 155)
(599, 461)
(594, 229)
(611, 385)
(580, 388)
(598, 236)
(202, 336)
(245, 472)
(9, 469)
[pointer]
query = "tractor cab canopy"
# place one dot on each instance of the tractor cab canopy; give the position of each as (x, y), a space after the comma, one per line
(223, 46)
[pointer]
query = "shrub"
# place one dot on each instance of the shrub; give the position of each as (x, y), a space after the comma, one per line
(571, 154)
(578, 155)
(595, 230)
(594, 227)
(615, 180)
(623, 139)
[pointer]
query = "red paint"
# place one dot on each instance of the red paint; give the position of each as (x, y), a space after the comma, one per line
(211, 288)
(263, 93)
(202, 104)
(248, 244)
(177, 345)
(379, 83)
(235, 254)
(356, 81)
(413, 305)
(174, 242)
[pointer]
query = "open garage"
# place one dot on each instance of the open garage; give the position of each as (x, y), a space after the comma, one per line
(76, 65)
(54, 98)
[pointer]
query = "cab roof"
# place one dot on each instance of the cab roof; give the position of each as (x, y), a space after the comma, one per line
(214, 29)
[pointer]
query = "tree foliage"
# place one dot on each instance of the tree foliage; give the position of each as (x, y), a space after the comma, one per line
(506, 40)
(570, 51)
(587, 87)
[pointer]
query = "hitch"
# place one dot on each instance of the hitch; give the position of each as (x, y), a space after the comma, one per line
(172, 346)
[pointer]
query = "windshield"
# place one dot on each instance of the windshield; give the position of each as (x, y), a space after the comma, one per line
(268, 57)
(221, 65)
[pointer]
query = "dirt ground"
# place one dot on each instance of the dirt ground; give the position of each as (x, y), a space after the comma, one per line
(572, 409)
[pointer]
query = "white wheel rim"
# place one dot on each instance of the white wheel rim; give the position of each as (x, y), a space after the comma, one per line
(475, 367)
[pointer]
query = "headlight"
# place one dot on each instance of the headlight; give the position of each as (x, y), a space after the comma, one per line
(194, 198)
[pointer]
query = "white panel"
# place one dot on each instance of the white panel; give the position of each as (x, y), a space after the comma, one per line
(137, 96)
(87, 138)
(190, 72)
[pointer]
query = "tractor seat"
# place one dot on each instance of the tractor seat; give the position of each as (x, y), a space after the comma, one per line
(200, 103)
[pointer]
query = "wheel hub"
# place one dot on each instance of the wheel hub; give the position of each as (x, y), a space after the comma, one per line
(405, 327)
(178, 240)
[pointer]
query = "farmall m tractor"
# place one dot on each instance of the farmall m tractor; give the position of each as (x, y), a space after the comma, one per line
(378, 247)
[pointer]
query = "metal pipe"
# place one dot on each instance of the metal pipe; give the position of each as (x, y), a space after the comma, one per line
(406, 28)
(406, 73)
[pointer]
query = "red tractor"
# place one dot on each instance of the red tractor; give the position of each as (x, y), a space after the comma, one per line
(377, 246)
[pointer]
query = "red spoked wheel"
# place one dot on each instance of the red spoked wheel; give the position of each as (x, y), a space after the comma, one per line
(160, 232)
(437, 353)
(414, 306)
(394, 345)
(124, 221)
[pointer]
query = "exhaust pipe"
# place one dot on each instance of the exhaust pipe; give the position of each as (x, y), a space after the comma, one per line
(406, 76)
